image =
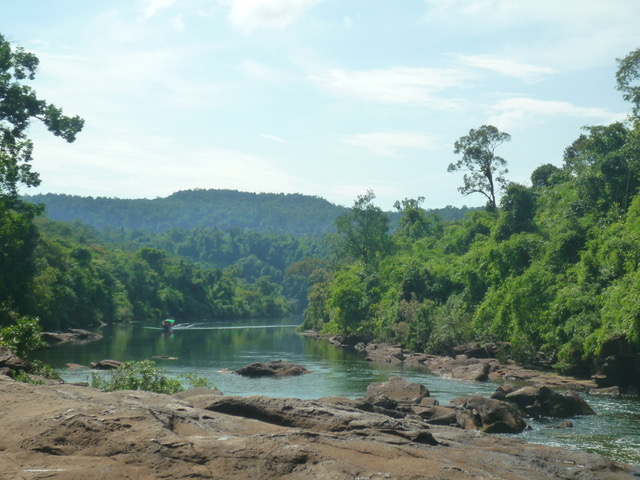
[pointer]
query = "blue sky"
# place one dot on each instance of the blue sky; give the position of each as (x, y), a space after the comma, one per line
(321, 97)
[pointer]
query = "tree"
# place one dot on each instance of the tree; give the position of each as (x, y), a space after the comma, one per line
(414, 223)
(363, 233)
(485, 168)
(18, 106)
(628, 79)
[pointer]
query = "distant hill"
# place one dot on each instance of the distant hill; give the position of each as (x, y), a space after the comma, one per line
(261, 212)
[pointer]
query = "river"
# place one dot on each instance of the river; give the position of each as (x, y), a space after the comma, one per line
(210, 350)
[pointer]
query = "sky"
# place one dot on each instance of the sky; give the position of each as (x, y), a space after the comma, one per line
(330, 98)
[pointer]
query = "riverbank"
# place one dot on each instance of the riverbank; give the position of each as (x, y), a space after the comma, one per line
(63, 431)
(465, 367)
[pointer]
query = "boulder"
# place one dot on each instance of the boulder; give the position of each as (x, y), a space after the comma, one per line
(541, 401)
(488, 415)
(461, 368)
(384, 353)
(277, 368)
(105, 365)
(397, 389)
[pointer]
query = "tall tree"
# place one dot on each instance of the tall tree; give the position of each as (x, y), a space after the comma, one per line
(19, 105)
(363, 233)
(485, 169)
(628, 79)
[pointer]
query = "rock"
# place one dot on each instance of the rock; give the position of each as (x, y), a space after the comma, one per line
(325, 415)
(478, 350)
(384, 353)
(105, 365)
(277, 368)
(397, 389)
(10, 363)
(461, 368)
(75, 335)
(608, 391)
(618, 364)
(563, 425)
(72, 433)
(488, 415)
(541, 401)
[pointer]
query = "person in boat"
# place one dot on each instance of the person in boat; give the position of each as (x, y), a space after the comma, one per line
(167, 324)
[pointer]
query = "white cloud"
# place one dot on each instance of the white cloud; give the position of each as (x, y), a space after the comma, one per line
(566, 34)
(526, 72)
(400, 85)
(249, 15)
(273, 137)
(151, 7)
(263, 72)
(177, 23)
(519, 112)
(388, 143)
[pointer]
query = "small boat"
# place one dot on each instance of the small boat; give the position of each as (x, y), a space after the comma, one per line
(167, 324)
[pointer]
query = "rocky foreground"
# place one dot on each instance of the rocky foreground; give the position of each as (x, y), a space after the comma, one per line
(70, 432)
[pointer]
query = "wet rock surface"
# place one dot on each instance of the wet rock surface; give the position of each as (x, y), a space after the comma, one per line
(71, 432)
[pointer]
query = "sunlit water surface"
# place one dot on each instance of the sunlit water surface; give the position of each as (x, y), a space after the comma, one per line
(211, 350)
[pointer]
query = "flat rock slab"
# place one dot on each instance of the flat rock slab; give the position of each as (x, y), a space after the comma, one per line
(74, 335)
(68, 432)
(277, 368)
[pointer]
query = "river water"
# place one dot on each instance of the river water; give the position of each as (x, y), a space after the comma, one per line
(210, 350)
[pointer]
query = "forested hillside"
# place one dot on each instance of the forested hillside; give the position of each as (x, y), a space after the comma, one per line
(554, 269)
(221, 209)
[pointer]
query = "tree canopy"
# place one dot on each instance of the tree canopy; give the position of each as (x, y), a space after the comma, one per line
(19, 105)
(485, 169)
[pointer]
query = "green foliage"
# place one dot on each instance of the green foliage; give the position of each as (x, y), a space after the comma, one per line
(22, 337)
(555, 270)
(137, 375)
(628, 79)
(363, 234)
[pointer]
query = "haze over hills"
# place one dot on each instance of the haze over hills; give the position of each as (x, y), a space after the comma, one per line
(261, 212)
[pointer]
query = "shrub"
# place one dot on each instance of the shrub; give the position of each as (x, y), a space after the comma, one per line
(137, 375)
(23, 337)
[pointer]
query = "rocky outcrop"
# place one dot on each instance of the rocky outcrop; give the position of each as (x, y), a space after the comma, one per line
(69, 432)
(277, 368)
(618, 365)
(10, 363)
(75, 335)
(541, 401)
(462, 367)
